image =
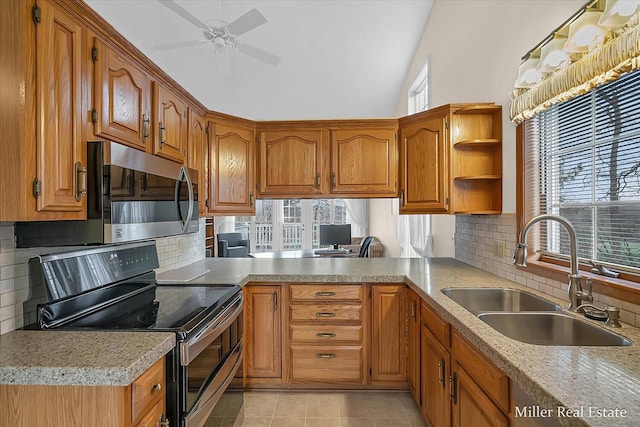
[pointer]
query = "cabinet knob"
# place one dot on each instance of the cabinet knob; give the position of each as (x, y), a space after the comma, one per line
(161, 423)
(156, 387)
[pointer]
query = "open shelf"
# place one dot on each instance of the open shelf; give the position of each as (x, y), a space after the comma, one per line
(480, 109)
(478, 142)
(473, 177)
(209, 239)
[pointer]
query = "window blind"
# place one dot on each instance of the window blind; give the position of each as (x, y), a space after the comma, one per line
(582, 162)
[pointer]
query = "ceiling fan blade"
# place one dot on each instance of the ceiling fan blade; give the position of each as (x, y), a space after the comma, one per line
(246, 22)
(259, 54)
(178, 45)
(183, 13)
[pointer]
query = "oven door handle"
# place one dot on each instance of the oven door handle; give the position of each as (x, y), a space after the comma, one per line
(210, 396)
(191, 348)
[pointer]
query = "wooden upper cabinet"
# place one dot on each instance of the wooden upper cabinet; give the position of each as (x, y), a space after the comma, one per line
(292, 163)
(197, 155)
(424, 164)
(364, 161)
(122, 98)
(231, 169)
(170, 125)
(60, 146)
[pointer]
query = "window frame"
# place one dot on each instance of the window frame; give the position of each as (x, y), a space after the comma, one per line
(626, 287)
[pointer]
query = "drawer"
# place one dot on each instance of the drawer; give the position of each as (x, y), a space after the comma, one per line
(327, 364)
(326, 292)
(483, 371)
(436, 324)
(323, 334)
(326, 312)
(146, 389)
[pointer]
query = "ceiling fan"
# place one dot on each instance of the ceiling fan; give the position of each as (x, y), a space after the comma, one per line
(223, 35)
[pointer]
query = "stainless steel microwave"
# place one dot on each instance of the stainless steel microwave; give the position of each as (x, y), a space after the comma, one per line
(131, 195)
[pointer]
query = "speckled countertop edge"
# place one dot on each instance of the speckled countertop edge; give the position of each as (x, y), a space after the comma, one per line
(555, 376)
(96, 358)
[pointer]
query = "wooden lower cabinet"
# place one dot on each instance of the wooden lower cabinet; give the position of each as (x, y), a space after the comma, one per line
(413, 344)
(140, 404)
(263, 334)
(459, 385)
(388, 335)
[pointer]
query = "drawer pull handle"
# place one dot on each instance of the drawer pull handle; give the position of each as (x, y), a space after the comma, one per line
(156, 387)
(325, 355)
(326, 334)
(325, 294)
(325, 314)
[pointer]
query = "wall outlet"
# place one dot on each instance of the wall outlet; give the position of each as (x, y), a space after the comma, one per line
(500, 248)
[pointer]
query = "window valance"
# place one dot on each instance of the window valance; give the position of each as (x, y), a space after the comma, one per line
(618, 54)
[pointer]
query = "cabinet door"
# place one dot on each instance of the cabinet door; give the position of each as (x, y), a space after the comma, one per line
(231, 177)
(292, 163)
(388, 334)
(263, 331)
(170, 125)
(435, 371)
(59, 143)
(364, 162)
(122, 94)
(471, 406)
(197, 155)
(424, 163)
(413, 344)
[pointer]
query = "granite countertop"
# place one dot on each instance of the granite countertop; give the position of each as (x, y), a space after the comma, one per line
(96, 358)
(576, 378)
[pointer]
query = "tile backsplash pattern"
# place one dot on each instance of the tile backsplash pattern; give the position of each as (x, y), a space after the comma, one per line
(478, 237)
(18, 300)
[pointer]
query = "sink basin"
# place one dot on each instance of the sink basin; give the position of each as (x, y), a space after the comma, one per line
(551, 329)
(479, 300)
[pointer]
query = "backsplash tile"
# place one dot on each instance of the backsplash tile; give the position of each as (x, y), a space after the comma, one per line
(476, 239)
(18, 301)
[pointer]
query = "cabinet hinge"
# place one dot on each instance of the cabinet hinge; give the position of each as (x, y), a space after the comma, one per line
(446, 123)
(94, 116)
(370, 372)
(446, 201)
(94, 54)
(37, 187)
(35, 14)
(206, 130)
(206, 203)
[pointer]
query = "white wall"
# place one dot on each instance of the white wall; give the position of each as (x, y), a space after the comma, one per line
(474, 49)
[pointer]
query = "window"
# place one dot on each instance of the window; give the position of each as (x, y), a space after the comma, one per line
(582, 161)
(291, 223)
(419, 91)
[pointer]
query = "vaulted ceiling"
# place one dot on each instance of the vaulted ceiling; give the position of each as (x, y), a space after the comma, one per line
(338, 58)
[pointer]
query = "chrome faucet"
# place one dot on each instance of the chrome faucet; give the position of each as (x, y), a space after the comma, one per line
(576, 295)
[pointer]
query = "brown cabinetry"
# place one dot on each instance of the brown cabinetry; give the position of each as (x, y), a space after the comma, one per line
(327, 334)
(263, 334)
(451, 160)
(140, 404)
(328, 159)
(231, 168)
(122, 98)
(364, 161)
(413, 344)
(43, 149)
(197, 154)
(388, 336)
(460, 386)
(293, 162)
(170, 126)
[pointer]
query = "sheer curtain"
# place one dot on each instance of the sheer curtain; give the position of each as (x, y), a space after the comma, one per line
(414, 235)
(358, 216)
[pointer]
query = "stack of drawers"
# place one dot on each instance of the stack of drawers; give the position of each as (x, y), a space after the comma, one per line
(326, 334)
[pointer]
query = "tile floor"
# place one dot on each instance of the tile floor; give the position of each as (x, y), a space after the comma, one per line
(317, 409)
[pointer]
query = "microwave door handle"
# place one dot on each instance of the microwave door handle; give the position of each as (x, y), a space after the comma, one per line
(191, 199)
(185, 220)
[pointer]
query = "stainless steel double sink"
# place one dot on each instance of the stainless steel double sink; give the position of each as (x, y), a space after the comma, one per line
(528, 318)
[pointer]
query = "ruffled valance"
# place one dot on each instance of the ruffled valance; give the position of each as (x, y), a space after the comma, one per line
(620, 53)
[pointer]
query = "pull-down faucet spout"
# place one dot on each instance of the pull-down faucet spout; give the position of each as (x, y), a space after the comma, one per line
(576, 295)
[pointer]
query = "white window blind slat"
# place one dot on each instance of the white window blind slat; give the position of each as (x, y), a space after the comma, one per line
(582, 161)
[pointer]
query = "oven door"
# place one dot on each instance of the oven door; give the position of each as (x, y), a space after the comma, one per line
(210, 361)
